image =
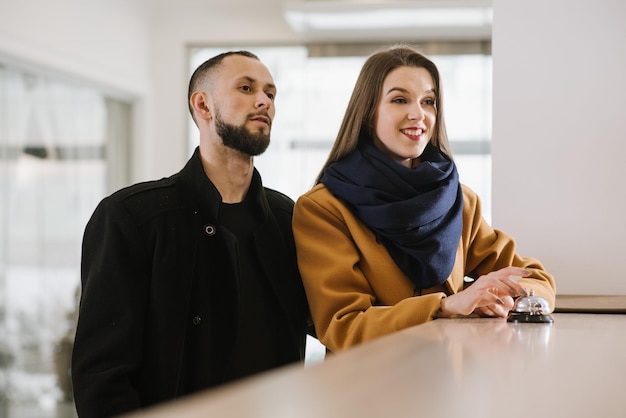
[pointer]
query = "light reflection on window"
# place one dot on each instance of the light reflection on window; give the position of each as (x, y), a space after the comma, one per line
(53, 172)
(312, 96)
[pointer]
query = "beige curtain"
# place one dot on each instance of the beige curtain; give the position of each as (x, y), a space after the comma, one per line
(63, 146)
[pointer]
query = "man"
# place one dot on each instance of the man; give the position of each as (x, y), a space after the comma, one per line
(191, 281)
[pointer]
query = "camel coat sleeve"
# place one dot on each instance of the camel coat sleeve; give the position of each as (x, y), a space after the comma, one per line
(355, 290)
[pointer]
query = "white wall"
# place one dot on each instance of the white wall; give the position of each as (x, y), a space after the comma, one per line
(103, 42)
(558, 139)
(106, 44)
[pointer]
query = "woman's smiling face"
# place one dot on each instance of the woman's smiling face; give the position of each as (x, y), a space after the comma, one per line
(406, 114)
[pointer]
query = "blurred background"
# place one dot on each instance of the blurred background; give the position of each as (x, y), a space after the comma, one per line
(93, 98)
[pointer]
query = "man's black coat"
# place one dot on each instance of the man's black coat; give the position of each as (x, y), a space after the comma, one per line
(159, 306)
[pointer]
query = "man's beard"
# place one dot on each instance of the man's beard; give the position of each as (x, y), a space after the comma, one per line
(240, 138)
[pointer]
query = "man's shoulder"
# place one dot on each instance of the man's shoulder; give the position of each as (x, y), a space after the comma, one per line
(145, 190)
(147, 199)
(278, 200)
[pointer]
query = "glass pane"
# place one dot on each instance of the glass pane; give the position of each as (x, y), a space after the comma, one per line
(52, 175)
(313, 93)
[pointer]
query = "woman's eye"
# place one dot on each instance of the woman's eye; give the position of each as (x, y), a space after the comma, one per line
(399, 100)
(429, 102)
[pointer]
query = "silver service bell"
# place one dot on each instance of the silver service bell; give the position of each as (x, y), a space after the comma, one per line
(531, 308)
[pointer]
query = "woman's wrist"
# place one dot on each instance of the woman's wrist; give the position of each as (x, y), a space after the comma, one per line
(441, 312)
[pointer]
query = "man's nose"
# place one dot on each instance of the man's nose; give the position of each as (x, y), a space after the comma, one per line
(263, 101)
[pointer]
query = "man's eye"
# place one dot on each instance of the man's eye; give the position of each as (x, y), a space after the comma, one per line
(246, 88)
(271, 96)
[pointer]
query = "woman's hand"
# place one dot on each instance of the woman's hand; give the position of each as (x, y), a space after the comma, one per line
(491, 295)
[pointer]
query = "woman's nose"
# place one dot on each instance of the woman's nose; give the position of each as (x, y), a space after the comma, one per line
(416, 113)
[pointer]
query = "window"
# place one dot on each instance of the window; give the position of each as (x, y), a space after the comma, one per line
(313, 92)
(55, 140)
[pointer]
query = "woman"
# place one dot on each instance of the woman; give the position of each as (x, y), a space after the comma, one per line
(387, 236)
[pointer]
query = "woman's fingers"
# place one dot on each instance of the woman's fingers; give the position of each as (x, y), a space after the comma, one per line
(503, 280)
(493, 305)
(491, 295)
(484, 312)
(492, 311)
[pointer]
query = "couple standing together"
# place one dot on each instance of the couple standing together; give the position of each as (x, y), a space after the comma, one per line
(207, 276)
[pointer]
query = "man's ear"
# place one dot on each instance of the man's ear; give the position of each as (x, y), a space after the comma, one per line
(198, 101)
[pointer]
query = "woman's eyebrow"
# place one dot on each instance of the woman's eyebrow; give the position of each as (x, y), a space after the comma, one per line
(398, 89)
(405, 91)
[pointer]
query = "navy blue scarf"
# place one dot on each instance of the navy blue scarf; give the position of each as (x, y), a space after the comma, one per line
(415, 212)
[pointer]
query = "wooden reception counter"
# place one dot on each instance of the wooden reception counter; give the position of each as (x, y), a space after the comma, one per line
(469, 367)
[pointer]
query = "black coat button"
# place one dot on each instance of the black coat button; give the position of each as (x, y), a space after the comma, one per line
(196, 320)
(209, 230)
